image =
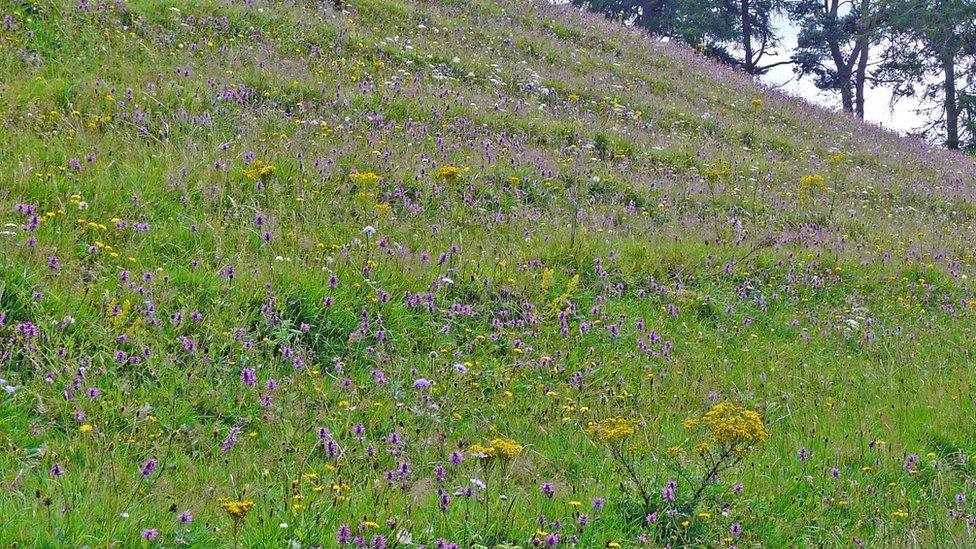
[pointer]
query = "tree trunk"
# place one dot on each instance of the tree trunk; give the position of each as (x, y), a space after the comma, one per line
(844, 66)
(860, 76)
(747, 36)
(846, 94)
(860, 73)
(950, 101)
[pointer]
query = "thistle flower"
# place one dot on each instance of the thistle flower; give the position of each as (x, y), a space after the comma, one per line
(148, 467)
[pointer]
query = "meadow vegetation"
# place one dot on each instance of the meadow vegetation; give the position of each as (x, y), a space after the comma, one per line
(481, 273)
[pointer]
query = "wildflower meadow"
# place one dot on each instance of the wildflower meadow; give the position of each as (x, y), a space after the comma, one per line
(463, 274)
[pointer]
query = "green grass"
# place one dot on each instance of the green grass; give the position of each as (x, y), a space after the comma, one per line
(642, 197)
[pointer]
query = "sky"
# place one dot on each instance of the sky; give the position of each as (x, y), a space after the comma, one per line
(901, 117)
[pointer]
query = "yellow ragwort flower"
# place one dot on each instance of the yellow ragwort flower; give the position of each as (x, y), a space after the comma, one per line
(449, 172)
(734, 426)
(259, 170)
(611, 429)
(366, 179)
(237, 509)
(504, 448)
(809, 183)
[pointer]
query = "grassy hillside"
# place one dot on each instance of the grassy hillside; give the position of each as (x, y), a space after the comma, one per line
(483, 272)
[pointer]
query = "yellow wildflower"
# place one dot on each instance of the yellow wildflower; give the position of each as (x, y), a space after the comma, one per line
(809, 183)
(504, 448)
(733, 426)
(237, 509)
(449, 172)
(611, 429)
(259, 170)
(366, 179)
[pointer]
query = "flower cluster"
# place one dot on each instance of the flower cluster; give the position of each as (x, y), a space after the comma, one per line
(612, 429)
(365, 179)
(237, 509)
(449, 172)
(259, 170)
(504, 448)
(732, 425)
(811, 183)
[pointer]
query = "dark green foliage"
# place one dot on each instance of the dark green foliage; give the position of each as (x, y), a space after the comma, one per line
(932, 56)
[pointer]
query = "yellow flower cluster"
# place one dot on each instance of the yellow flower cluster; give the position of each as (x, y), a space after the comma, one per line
(717, 174)
(611, 429)
(365, 179)
(237, 509)
(734, 426)
(448, 172)
(259, 170)
(808, 183)
(504, 448)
